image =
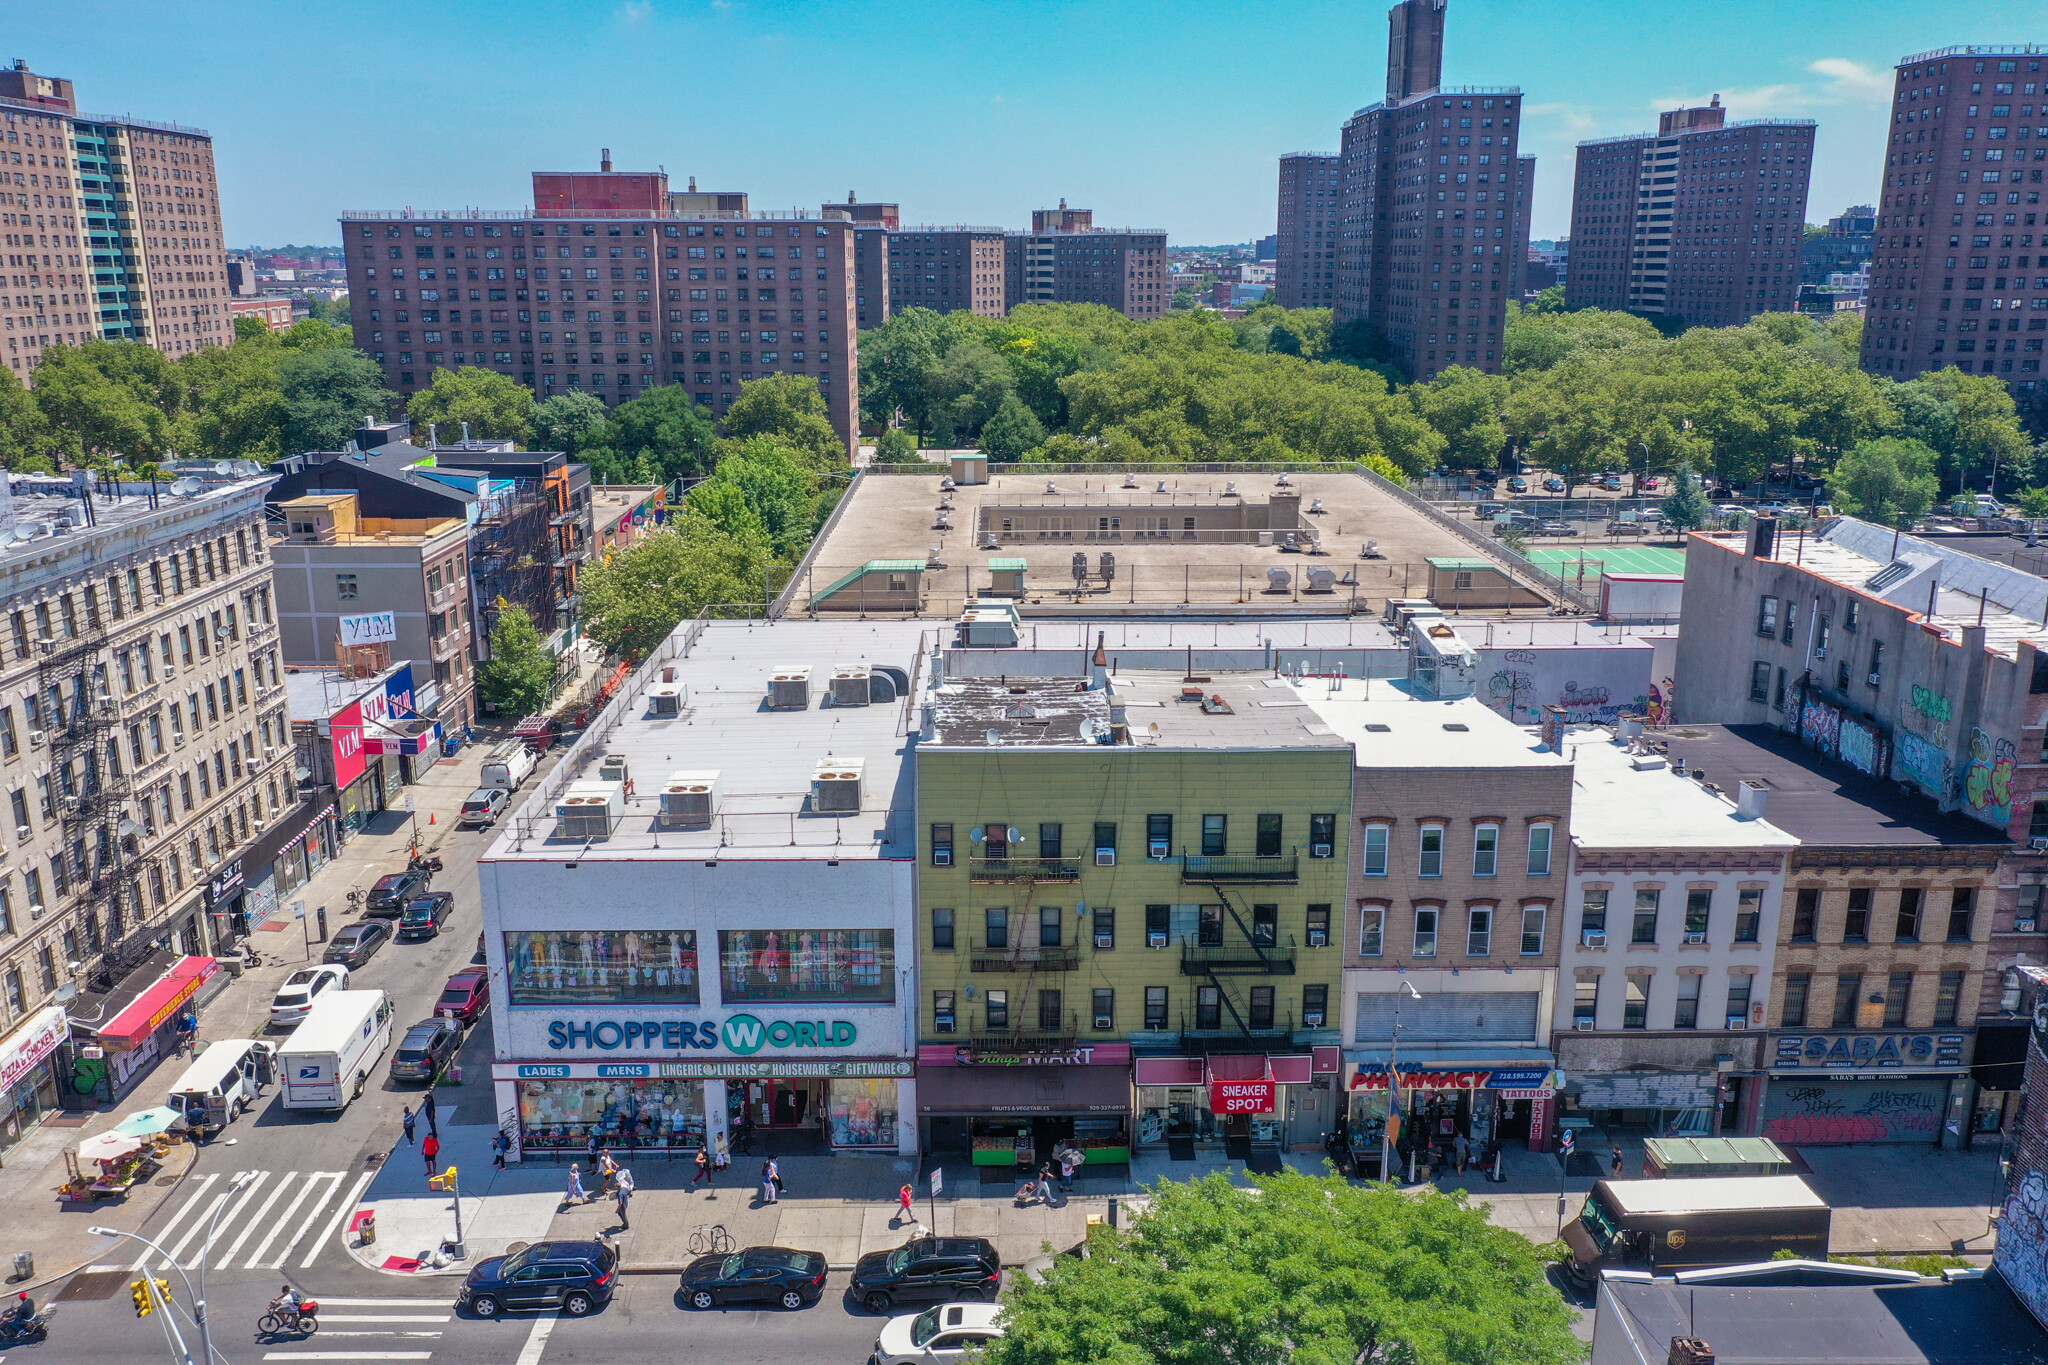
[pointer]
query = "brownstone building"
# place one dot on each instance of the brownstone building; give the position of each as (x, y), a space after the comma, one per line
(1703, 221)
(947, 269)
(611, 302)
(1949, 279)
(1311, 201)
(1065, 258)
(111, 227)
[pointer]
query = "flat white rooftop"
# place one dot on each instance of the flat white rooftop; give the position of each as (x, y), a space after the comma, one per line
(1624, 799)
(1390, 727)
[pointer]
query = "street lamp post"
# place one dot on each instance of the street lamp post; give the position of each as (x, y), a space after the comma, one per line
(1394, 1077)
(198, 1298)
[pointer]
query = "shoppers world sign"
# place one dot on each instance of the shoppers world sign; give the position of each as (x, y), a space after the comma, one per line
(741, 1034)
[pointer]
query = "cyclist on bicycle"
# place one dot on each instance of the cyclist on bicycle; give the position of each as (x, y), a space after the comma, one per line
(287, 1302)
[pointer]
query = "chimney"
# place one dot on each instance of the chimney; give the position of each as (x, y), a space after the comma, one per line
(1098, 667)
(850, 199)
(1690, 1351)
(1714, 103)
(928, 726)
(1551, 730)
(1763, 537)
(1063, 203)
(693, 184)
(604, 160)
(1750, 796)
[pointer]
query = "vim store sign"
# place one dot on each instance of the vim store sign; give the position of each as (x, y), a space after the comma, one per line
(741, 1034)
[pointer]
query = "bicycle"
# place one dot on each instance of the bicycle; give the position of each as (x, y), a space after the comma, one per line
(710, 1239)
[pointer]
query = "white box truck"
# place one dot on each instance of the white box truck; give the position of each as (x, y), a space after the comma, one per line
(327, 1060)
(508, 766)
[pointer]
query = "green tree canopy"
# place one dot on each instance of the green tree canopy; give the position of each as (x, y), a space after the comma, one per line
(108, 399)
(568, 421)
(637, 596)
(496, 406)
(327, 394)
(764, 493)
(790, 408)
(519, 677)
(1685, 506)
(1012, 432)
(896, 446)
(1302, 1271)
(1889, 480)
(656, 438)
(1465, 408)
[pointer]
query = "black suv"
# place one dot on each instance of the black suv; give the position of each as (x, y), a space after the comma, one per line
(926, 1271)
(388, 897)
(574, 1276)
(427, 1047)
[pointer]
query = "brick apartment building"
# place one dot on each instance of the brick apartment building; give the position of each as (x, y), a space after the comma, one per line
(873, 224)
(1311, 203)
(608, 288)
(130, 203)
(1702, 221)
(947, 269)
(1065, 258)
(1436, 201)
(1962, 193)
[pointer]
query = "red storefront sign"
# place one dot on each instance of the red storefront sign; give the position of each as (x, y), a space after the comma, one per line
(345, 732)
(1242, 1097)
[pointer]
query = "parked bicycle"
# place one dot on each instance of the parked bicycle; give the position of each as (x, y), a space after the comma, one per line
(710, 1239)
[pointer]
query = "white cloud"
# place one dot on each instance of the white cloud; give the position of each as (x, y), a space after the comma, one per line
(1567, 120)
(633, 11)
(1853, 80)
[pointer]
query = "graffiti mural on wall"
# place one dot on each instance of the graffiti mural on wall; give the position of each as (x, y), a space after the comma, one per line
(1902, 1110)
(1660, 705)
(1920, 762)
(1860, 747)
(1820, 725)
(1987, 777)
(2022, 1256)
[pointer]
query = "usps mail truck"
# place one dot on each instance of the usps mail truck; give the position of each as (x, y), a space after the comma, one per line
(327, 1060)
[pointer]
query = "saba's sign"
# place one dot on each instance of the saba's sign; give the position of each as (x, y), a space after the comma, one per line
(741, 1034)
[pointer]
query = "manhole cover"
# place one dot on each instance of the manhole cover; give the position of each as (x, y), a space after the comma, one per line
(94, 1284)
(165, 1180)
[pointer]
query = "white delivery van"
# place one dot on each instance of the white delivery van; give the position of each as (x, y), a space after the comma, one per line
(508, 766)
(222, 1081)
(327, 1060)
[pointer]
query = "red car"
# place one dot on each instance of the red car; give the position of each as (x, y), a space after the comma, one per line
(466, 996)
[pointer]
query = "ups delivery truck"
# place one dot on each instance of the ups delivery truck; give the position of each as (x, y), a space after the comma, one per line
(1667, 1225)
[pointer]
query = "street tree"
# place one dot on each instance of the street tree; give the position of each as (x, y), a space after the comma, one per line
(567, 421)
(896, 446)
(789, 407)
(327, 394)
(495, 406)
(519, 677)
(1012, 432)
(637, 596)
(1685, 506)
(661, 436)
(1889, 480)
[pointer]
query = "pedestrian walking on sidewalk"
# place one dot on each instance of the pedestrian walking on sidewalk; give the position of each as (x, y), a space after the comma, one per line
(703, 1169)
(1045, 1181)
(590, 1151)
(1462, 1147)
(576, 1193)
(1616, 1166)
(608, 1168)
(428, 1107)
(430, 1148)
(625, 1196)
(501, 1144)
(1070, 1161)
(408, 1122)
(903, 1197)
(771, 1181)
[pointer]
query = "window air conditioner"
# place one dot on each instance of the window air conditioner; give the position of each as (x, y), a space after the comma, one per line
(35, 738)
(1594, 938)
(1105, 857)
(942, 857)
(1312, 1019)
(1319, 850)
(1156, 849)
(2023, 926)
(1873, 678)
(1696, 938)
(1583, 1025)
(2037, 843)
(1738, 1021)
(1105, 940)
(942, 1024)
(1154, 940)
(1318, 938)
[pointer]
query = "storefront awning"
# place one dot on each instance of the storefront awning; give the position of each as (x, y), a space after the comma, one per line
(400, 736)
(94, 1010)
(36, 1038)
(157, 1003)
(1024, 1090)
(1459, 1058)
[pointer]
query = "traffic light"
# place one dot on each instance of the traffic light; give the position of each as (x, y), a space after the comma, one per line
(139, 1290)
(163, 1292)
(443, 1181)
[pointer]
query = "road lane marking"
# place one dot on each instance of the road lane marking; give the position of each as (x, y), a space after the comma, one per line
(418, 1302)
(198, 1228)
(325, 1334)
(256, 1219)
(334, 1225)
(205, 1183)
(284, 1219)
(381, 1317)
(248, 1196)
(348, 1355)
(537, 1339)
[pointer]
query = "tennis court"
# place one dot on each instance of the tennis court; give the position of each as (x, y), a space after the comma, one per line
(1564, 561)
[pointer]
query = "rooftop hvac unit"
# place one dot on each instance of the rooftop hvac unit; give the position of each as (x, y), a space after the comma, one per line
(612, 768)
(666, 699)
(789, 688)
(835, 787)
(850, 686)
(688, 800)
(589, 810)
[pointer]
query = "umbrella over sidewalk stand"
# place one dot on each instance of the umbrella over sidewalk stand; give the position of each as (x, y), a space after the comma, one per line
(109, 1146)
(149, 1122)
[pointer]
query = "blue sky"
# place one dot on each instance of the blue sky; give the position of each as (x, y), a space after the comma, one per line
(969, 111)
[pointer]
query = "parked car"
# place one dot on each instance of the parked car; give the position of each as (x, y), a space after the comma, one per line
(574, 1276)
(358, 943)
(1776, 509)
(1487, 511)
(925, 1269)
(427, 1047)
(1627, 526)
(389, 893)
(943, 1333)
(294, 999)
(1518, 484)
(424, 915)
(1651, 483)
(1524, 467)
(1611, 482)
(466, 996)
(1556, 528)
(1553, 484)
(793, 1279)
(482, 808)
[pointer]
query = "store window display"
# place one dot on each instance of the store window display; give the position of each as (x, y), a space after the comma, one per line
(632, 1113)
(861, 1113)
(804, 966)
(603, 966)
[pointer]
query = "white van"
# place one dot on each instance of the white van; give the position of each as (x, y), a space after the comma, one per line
(507, 767)
(327, 1060)
(222, 1081)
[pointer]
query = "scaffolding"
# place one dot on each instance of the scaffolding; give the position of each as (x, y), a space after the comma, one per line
(512, 558)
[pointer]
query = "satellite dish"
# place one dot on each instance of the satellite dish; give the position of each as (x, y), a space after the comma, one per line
(977, 834)
(1016, 835)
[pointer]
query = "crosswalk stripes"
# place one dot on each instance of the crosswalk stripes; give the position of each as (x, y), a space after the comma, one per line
(270, 1215)
(385, 1333)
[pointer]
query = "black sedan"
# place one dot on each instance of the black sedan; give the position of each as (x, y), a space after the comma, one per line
(358, 943)
(427, 1047)
(776, 1275)
(424, 915)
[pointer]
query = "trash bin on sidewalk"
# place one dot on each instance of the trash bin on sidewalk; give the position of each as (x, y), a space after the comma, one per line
(24, 1265)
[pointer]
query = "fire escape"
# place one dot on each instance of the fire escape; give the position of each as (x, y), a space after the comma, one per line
(512, 559)
(1216, 961)
(1028, 1028)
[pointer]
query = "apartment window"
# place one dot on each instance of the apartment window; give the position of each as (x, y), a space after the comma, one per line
(1158, 921)
(1318, 925)
(1699, 902)
(1645, 928)
(1051, 1018)
(33, 881)
(1856, 924)
(1208, 1008)
(942, 931)
(943, 1018)
(1315, 1006)
(1266, 836)
(995, 922)
(1585, 996)
(995, 842)
(1485, 850)
(18, 800)
(1635, 1002)
(1049, 841)
(1767, 616)
(1215, 829)
(1749, 913)
(1425, 930)
(16, 998)
(1686, 1011)
(10, 743)
(1532, 929)
(1539, 849)
(1374, 859)
(1759, 681)
(1778, 697)
(1848, 985)
(1898, 995)
(1158, 836)
(1876, 677)
(1102, 1009)
(1155, 1008)
(185, 645)
(996, 1009)
(1322, 836)
(1946, 998)
(1105, 840)
(345, 587)
(46, 968)
(1261, 1007)
(1739, 984)
(1372, 927)
(1960, 907)
(2037, 826)
(1592, 915)
(1479, 931)
(1851, 613)
(1105, 927)
(1209, 926)
(1430, 861)
(1265, 925)
(1805, 914)
(1910, 899)
(942, 845)
(1049, 921)
(1791, 620)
